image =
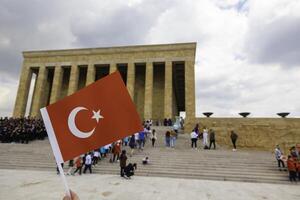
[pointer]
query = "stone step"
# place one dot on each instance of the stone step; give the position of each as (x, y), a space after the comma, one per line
(163, 164)
(179, 162)
(166, 170)
(175, 174)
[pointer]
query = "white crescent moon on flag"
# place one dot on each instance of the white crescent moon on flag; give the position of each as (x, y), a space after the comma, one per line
(72, 126)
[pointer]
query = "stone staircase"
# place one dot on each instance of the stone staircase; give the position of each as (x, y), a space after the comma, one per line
(180, 162)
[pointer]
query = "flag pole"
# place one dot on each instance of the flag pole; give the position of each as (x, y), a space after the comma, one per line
(63, 177)
(55, 148)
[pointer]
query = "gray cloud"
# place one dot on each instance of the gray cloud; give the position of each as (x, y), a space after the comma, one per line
(229, 78)
(276, 42)
(126, 25)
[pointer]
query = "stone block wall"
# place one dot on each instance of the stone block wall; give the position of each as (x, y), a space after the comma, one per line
(254, 133)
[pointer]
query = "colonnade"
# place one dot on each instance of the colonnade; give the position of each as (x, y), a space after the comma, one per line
(39, 95)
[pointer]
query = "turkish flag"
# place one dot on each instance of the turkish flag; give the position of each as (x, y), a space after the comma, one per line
(96, 115)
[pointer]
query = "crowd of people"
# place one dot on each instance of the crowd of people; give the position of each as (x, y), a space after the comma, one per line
(115, 153)
(292, 161)
(24, 130)
(21, 130)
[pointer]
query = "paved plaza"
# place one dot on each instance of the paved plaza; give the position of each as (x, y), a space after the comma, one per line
(36, 185)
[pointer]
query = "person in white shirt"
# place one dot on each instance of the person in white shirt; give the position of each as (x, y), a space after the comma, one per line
(96, 156)
(88, 163)
(205, 137)
(194, 138)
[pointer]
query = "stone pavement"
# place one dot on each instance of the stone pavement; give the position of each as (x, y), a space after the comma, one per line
(36, 185)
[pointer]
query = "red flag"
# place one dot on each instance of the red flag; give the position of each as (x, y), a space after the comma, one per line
(96, 115)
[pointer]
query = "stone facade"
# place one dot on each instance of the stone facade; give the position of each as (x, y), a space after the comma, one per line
(258, 133)
(160, 78)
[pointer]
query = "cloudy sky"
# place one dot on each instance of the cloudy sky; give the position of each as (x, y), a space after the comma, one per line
(248, 52)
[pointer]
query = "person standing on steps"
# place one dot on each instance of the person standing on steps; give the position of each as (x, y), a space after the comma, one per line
(212, 139)
(278, 156)
(167, 138)
(153, 137)
(173, 136)
(291, 165)
(123, 159)
(78, 165)
(234, 138)
(194, 138)
(205, 138)
(88, 163)
(132, 144)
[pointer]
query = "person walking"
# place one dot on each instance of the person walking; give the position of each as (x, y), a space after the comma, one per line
(234, 138)
(153, 137)
(78, 165)
(194, 138)
(88, 163)
(96, 156)
(123, 159)
(212, 139)
(278, 156)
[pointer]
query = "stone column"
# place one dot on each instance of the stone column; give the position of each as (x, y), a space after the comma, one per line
(73, 82)
(38, 94)
(189, 69)
(90, 77)
(23, 91)
(189, 89)
(112, 67)
(130, 79)
(168, 90)
(56, 84)
(148, 91)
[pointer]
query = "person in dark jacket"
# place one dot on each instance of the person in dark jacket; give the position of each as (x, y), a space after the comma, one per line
(132, 144)
(123, 159)
(233, 137)
(212, 139)
(167, 138)
(129, 170)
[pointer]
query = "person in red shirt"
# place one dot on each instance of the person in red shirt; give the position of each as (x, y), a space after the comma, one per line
(78, 165)
(298, 169)
(116, 151)
(291, 164)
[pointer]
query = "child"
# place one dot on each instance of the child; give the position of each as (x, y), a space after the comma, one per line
(291, 168)
(145, 161)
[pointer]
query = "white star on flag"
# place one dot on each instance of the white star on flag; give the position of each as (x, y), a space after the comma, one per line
(97, 116)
